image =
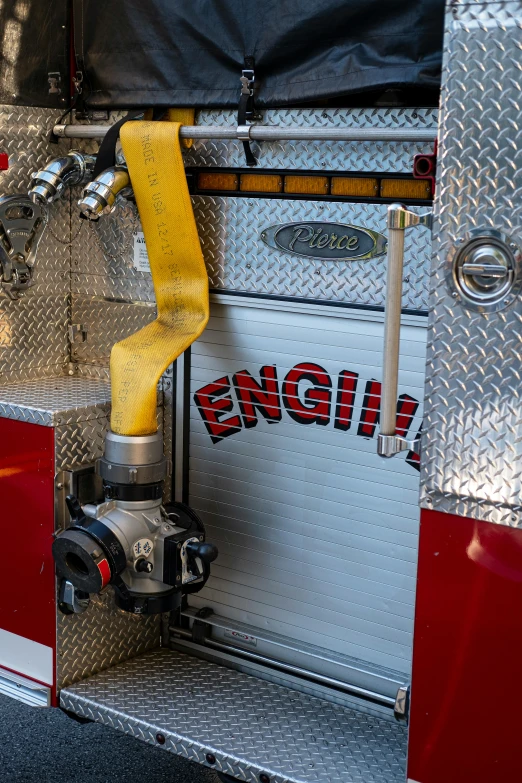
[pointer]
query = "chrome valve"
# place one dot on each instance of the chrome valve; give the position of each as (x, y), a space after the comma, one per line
(148, 552)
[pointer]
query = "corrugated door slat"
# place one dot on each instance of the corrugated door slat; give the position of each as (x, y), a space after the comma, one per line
(317, 534)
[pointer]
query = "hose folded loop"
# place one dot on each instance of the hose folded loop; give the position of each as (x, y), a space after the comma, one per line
(153, 155)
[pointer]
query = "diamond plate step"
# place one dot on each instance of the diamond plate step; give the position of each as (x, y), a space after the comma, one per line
(251, 727)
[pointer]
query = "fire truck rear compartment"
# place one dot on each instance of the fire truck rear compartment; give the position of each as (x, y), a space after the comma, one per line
(286, 667)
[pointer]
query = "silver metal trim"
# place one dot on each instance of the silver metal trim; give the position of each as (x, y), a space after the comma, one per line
(291, 669)
(402, 703)
(313, 308)
(24, 690)
(303, 655)
(399, 219)
(389, 445)
(266, 133)
(243, 132)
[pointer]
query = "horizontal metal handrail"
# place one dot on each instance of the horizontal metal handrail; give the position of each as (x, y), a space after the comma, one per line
(268, 133)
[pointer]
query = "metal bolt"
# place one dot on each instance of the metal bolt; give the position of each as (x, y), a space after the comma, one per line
(211, 759)
(513, 518)
(512, 246)
(160, 738)
(178, 578)
(324, 115)
(59, 485)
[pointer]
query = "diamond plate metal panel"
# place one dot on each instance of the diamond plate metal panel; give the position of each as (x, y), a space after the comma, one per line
(55, 401)
(80, 442)
(100, 638)
(138, 289)
(92, 371)
(103, 255)
(106, 247)
(238, 260)
(106, 322)
(24, 133)
(316, 155)
(249, 725)
(33, 330)
(33, 335)
(472, 446)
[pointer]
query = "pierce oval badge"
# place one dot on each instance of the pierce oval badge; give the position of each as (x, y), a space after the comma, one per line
(325, 241)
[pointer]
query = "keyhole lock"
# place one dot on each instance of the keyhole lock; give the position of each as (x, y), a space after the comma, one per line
(485, 270)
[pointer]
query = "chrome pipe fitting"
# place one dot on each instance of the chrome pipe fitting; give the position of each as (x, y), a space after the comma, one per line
(101, 196)
(75, 168)
(133, 459)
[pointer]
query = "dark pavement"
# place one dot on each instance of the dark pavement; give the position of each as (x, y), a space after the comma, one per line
(45, 746)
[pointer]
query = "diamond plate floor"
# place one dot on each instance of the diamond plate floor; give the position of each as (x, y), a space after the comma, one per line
(250, 726)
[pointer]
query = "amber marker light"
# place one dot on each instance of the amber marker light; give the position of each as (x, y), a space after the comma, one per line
(357, 187)
(307, 185)
(261, 183)
(212, 181)
(405, 188)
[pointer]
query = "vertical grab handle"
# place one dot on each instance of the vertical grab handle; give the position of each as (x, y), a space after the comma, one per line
(399, 219)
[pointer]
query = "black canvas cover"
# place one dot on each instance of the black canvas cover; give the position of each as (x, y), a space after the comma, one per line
(137, 53)
(34, 42)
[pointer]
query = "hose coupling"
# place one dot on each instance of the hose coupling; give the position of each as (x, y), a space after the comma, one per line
(75, 168)
(102, 195)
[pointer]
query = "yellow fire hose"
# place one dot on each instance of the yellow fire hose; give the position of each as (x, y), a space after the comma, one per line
(153, 154)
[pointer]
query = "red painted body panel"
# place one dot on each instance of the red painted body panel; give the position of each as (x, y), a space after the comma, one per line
(466, 688)
(27, 598)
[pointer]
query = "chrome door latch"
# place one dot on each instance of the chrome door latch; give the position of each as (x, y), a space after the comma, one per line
(22, 224)
(484, 270)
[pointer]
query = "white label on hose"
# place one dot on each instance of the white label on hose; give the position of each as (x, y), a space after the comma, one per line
(141, 259)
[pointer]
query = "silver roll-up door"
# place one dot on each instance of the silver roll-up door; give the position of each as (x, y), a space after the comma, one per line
(317, 534)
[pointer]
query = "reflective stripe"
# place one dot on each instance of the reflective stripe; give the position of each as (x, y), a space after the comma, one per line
(105, 572)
